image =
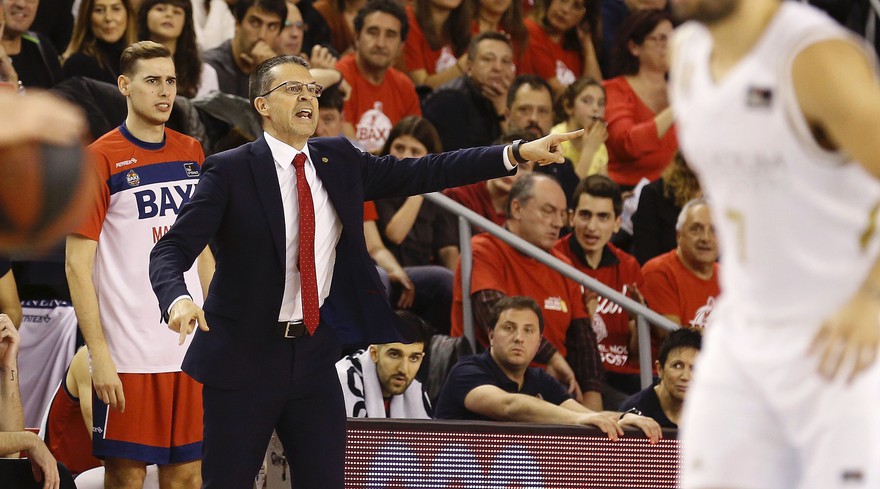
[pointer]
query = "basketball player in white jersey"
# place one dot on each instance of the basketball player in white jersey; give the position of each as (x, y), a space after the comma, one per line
(778, 110)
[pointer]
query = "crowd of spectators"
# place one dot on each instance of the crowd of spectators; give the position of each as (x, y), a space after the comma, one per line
(480, 72)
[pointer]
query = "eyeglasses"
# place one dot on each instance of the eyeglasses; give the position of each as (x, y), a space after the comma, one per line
(296, 25)
(296, 88)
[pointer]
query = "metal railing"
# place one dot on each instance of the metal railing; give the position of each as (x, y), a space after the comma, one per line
(467, 217)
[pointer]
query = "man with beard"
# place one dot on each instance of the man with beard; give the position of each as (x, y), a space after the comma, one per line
(380, 94)
(380, 381)
(530, 110)
(777, 109)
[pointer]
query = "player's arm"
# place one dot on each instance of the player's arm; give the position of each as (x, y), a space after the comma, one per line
(11, 414)
(79, 383)
(9, 302)
(79, 263)
(494, 403)
(844, 103)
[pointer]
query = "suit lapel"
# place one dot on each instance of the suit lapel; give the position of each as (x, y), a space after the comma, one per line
(322, 167)
(266, 179)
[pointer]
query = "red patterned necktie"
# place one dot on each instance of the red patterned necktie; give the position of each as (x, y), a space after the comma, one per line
(306, 259)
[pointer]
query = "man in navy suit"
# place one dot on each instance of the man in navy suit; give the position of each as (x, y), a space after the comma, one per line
(260, 366)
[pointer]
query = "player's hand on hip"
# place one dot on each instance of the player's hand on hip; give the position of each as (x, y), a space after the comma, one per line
(185, 317)
(105, 380)
(648, 425)
(847, 342)
(548, 149)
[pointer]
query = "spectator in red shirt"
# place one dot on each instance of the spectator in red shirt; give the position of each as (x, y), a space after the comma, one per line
(436, 49)
(641, 136)
(561, 46)
(683, 283)
(595, 218)
(380, 94)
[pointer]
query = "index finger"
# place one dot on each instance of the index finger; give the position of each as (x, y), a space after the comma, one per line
(565, 136)
(184, 330)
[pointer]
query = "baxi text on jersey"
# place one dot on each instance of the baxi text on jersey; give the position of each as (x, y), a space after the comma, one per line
(162, 201)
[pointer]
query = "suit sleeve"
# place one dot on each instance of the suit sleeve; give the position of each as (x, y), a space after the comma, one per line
(195, 226)
(386, 176)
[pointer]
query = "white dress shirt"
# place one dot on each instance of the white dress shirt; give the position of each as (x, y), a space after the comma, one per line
(328, 228)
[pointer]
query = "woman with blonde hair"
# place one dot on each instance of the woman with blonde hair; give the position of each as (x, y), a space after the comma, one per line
(103, 29)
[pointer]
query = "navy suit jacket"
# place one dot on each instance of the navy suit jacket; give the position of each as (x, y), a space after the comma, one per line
(237, 206)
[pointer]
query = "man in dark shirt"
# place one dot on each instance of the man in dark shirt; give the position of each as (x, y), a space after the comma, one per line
(500, 385)
(32, 54)
(257, 24)
(664, 400)
(530, 110)
(468, 111)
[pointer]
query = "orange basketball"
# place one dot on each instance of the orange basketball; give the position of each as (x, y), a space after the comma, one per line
(44, 190)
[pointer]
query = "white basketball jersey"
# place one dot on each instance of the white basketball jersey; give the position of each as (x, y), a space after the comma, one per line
(796, 223)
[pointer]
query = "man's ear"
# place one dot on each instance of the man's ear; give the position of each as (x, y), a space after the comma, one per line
(658, 368)
(123, 83)
(374, 354)
(262, 106)
(515, 209)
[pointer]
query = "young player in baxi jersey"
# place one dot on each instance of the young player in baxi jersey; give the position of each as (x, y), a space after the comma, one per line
(145, 410)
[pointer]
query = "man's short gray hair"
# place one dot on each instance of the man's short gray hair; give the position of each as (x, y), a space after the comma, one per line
(682, 216)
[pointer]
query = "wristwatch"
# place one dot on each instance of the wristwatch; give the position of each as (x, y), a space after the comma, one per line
(516, 154)
(631, 411)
